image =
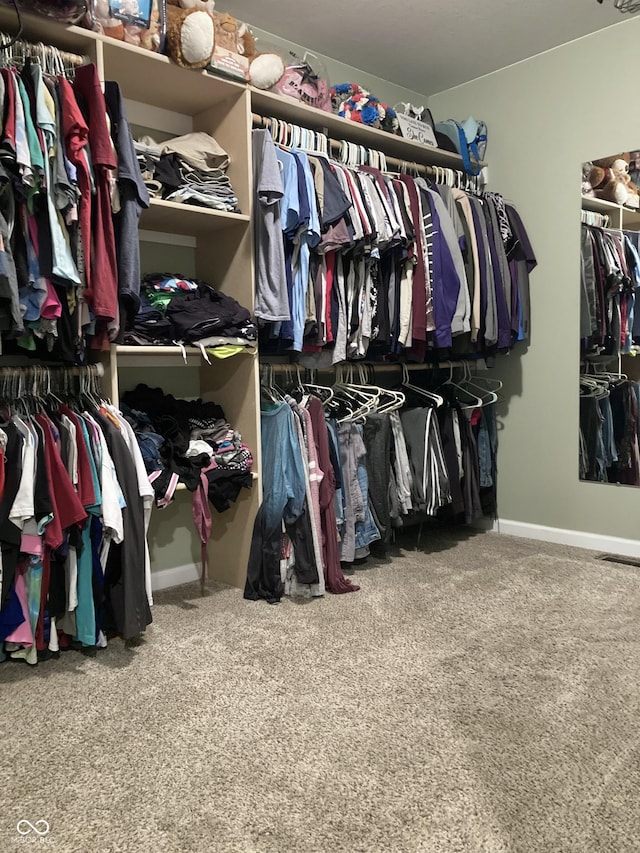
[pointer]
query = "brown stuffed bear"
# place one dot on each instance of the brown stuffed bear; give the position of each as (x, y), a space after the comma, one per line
(235, 53)
(190, 32)
(199, 37)
(611, 181)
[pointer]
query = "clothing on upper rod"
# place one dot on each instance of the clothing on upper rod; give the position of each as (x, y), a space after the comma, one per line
(289, 135)
(610, 278)
(71, 195)
(372, 264)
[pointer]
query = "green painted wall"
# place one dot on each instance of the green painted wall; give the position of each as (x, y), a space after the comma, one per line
(340, 72)
(545, 116)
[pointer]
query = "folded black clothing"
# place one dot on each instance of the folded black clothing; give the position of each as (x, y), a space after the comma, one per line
(207, 312)
(181, 308)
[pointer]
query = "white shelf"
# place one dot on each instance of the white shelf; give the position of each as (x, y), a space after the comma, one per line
(175, 218)
(143, 75)
(36, 28)
(598, 205)
(619, 216)
(151, 356)
(180, 90)
(288, 109)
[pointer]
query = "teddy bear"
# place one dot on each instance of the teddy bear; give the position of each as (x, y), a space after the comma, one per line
(199, 37)
(190, 32)
(610, 180)
(235, 52)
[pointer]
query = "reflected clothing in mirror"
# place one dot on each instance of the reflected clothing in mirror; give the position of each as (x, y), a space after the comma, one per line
(610, 278)
(609, 439)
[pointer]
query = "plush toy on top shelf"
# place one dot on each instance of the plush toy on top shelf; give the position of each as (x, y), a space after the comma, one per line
(352, 102)
(611, 181)
(200, 37)
(190, 32)
(235, 53)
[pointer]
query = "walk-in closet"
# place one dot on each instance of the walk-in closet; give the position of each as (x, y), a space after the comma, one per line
(320, 425)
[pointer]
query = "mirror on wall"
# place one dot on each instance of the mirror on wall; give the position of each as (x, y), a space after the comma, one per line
(610, 320)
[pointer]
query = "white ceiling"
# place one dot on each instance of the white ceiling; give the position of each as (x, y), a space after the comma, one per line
(427, 45)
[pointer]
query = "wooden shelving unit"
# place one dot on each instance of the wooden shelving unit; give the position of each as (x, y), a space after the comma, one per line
(620, 217)
(162, 96)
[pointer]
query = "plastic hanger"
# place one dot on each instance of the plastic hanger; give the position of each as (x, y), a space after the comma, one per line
(323, 392)
(360, 399)
(268, 387)
(469, 381)
(477, 401)
(422, 392)
(389, 400)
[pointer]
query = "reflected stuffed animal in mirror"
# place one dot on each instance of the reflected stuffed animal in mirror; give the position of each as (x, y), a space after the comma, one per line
(611, 181)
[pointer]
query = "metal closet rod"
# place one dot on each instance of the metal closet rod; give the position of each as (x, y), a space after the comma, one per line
(38, 50)
(384, 366)
(54, 369)
(334, 145)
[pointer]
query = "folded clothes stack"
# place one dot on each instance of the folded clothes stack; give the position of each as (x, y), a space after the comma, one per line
(178, 309)
(190, 169)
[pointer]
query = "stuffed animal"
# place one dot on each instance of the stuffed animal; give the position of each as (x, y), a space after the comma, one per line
(235, 52)
(266, 68)
(199, 37)
(611, 181)
(190, 32)
(586, 187)
(352, 102)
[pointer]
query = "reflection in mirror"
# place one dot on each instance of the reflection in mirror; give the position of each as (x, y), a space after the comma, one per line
(610, 320)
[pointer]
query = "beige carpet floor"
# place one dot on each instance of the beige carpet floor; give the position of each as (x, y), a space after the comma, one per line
(483, 695)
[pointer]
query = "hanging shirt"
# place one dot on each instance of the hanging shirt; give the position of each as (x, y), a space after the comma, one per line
(134, 197)
(272, 302)
(105, 285)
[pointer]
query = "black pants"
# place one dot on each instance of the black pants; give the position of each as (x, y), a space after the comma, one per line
(263, 571)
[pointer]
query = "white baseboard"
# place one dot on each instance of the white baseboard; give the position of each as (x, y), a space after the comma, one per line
(166, 578)
(577, 538)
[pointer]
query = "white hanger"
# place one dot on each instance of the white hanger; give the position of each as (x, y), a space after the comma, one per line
(429, 395)
(469, 381)
(478, 401)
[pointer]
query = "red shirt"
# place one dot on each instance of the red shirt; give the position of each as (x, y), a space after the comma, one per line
(76, 134)
(9, 132)
(105, 270)
(67, 511)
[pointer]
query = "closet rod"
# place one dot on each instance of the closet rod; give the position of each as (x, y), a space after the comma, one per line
(55, 369)
(264, 121)
(38, 50)
(382, 366)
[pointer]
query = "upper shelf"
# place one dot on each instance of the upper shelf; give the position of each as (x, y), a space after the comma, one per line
(620, 216)
(188, 219)
(155, 80)
(35, 29)
(269, 104)
(599, 205)
(143, 75)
